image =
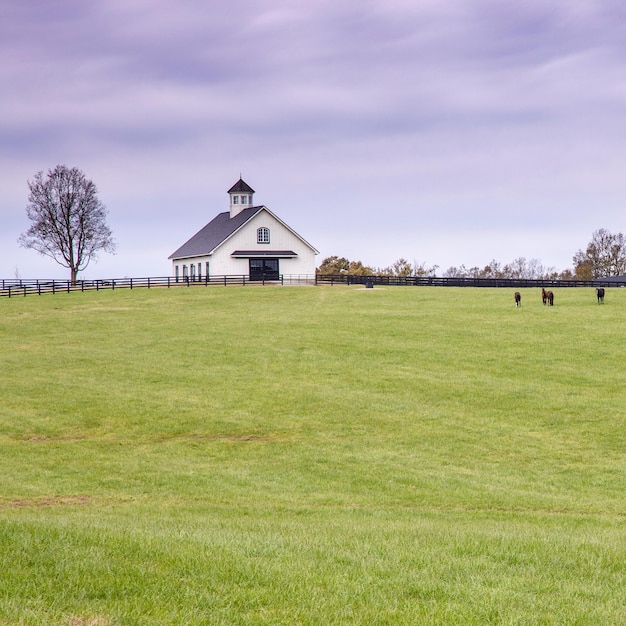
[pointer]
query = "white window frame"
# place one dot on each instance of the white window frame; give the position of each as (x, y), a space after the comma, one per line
(263, 234)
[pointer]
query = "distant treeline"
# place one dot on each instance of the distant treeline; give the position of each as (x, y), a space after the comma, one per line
(605, 255)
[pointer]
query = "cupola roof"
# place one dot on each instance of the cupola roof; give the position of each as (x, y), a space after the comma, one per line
(241, 187)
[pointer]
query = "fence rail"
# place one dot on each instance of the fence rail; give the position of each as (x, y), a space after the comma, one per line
(20, 287)
(435, 281)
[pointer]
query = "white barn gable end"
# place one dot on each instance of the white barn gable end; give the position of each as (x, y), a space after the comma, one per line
(246, 240)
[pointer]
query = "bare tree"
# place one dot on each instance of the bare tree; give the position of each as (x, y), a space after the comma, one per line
(605, 256)
(522, 269)
(516, 269)
(68, 221)
(421, 269)
(493, 270)
(455, 272)
(402, 267)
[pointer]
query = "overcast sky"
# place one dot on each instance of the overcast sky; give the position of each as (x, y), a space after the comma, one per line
(445, 132)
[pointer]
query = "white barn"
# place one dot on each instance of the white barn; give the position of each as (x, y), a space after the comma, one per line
(247, 240)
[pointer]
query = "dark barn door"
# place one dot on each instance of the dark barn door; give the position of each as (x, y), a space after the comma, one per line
(264, 269)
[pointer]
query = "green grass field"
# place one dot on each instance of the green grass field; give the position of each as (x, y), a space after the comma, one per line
(329, 455)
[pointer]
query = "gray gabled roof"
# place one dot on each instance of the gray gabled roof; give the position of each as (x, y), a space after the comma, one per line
(214, 233)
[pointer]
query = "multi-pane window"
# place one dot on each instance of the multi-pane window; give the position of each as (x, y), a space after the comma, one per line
(244, 199)
(263, 235)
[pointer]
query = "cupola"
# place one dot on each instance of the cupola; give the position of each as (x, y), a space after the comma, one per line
(241, 197)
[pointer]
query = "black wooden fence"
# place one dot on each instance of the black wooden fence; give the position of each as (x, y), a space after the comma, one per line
(435, 281)
(20, 287)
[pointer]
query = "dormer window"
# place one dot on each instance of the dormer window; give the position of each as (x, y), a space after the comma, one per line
(244, 199)
(235, 199)
(263, 235)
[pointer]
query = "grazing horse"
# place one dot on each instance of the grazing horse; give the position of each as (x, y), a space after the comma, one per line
(600, 294)
(547, 297)
(518, 298)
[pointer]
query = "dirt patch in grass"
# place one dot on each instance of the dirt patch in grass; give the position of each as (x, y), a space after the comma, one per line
(45, 501)
(45, 438)
(245, 437)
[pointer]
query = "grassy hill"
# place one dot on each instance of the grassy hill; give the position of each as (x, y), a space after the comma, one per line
(329, 455)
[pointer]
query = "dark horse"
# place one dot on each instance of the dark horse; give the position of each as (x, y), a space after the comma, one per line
(547, 297)
(518, 298)
(600, 294)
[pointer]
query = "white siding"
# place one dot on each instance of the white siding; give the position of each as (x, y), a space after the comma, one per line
(281, 238)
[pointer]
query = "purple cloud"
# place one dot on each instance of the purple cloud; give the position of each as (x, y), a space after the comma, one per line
(447, 132)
